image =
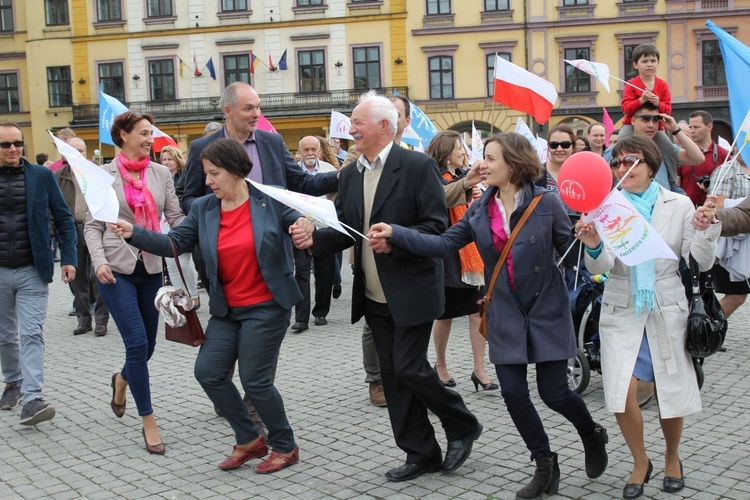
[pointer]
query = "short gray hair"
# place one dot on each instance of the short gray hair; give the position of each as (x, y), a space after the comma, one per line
(212, 127)
(229, 95)
(382, 109)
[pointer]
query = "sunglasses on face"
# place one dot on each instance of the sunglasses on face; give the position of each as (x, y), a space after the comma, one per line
(627, 161)
(564, 144)
(7, 145)
(649, 118)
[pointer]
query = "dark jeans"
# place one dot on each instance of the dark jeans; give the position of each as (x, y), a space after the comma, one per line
(412, 387)
(131, 304)
(251, 336)
(552, 383)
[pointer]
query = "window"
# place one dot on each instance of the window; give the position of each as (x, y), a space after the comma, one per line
(575, 79)
(713, 64)
(233, 5)
(236, 69)
(366, 67)
(441, 77)
(308, 3)
(490, 58)
(630, 71)
(56, 12)
(109, 10)
(435, 7)
(312, 71)
(9, 102)
(111, 80)
(159, 8)
(570, 3)
(59, 86)
(161, 78)
(6, 15)
(490, 5)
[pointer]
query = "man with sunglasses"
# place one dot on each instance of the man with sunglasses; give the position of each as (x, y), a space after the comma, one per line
(646, 122)
(30, 196)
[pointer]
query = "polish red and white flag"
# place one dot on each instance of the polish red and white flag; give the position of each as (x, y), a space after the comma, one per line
(523, 91)
(161, 139)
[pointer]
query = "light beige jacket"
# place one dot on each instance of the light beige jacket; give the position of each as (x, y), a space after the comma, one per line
(106, 248)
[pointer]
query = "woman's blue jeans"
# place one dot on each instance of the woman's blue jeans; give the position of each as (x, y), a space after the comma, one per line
(251, 336)
(131, 304)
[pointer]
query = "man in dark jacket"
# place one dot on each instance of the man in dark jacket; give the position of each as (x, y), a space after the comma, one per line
(29, 196)
(84, 288)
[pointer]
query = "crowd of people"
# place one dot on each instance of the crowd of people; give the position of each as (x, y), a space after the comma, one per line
(441, 235)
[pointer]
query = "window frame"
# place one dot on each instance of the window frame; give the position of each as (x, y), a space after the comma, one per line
(151, 76)
(490, 72)
(581, 77)
(311, 50)
(8, 90)
(64, 93)
(224, 70)
(718, 56)
(110, 3)
(367, 62)
(497, 8)
(101, 80)
(47, 14)
(442, 72)
(437, 7)
(310, 3)
(7, 13)
(223, 9)
(160, 15)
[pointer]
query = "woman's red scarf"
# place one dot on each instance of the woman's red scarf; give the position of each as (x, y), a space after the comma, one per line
(139, 198)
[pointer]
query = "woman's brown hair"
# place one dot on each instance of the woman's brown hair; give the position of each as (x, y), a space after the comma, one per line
(520, 156)
(126, 122)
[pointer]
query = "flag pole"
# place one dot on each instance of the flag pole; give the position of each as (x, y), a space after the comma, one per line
(492, 110)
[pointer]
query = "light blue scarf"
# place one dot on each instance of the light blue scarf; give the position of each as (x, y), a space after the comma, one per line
(643, 275)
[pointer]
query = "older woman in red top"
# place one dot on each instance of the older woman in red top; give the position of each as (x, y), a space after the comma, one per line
(241, 233)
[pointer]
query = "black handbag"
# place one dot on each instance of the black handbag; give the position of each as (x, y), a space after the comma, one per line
(707, 324)
(191, 333)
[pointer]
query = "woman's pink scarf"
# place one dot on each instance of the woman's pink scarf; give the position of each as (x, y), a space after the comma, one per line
(500, 237)
(139, 198)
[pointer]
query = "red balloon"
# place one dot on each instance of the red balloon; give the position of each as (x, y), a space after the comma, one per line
(584, 181)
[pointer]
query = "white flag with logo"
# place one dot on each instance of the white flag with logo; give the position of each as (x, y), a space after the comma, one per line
(477, 146)
(624, 231)
(95, 183)
(340, 125)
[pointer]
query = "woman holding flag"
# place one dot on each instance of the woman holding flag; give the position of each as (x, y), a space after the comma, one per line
(129, 279)
(240, 232)
(528, 318)
(649, 295)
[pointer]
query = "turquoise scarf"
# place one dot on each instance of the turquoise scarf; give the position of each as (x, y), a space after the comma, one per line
(643, 275)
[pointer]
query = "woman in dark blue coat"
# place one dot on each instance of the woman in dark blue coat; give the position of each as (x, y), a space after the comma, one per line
(528, 320)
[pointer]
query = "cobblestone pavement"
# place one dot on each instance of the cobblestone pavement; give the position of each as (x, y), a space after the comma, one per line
(346, 444)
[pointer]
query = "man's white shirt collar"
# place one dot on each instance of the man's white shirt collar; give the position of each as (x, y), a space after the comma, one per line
(379, 161)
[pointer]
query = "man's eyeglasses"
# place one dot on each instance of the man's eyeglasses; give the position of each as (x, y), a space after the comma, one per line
(649, 118)
(7, 145)
(627, 161)
(564, 144)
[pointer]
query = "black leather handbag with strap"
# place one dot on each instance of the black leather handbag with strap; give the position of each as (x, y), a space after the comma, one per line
(485, 302)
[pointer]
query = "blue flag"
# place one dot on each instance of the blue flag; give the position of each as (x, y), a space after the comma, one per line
(210, 67)
(736, 57)
(421, 125)
(109, 108)
(282, 61)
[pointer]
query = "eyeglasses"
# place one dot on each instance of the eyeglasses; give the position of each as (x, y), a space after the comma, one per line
(564, 144)
(628, 161)
(649, 118)
(7, 145)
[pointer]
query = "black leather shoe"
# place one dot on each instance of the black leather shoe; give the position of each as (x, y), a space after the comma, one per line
(674, 484)
(81, 329)
(320, 320)
(459, 450)
(336, 292)
(412, 471)
(299, 327)
(635, 490)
